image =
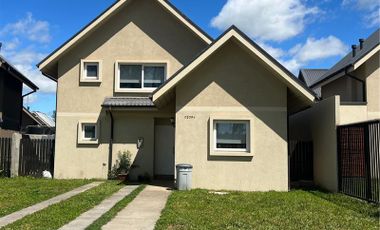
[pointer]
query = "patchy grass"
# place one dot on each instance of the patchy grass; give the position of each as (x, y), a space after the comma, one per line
(198, 209)
(21, 192)
(62, 213)
(106, 217)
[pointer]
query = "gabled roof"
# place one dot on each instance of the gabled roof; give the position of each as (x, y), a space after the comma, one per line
(15, 73)
(292, 81)
(311, 76)
(105, 15)
(371, 45)
(40, 118)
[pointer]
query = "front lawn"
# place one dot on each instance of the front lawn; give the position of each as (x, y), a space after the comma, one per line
(199, 209)
(21, 192)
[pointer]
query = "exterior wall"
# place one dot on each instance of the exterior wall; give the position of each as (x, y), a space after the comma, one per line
(350, 90)
(141, 31)
(231, 83)
(319, 122)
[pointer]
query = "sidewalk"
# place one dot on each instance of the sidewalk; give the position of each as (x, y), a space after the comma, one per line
(87, 218)
(5, 220)
(143, 212)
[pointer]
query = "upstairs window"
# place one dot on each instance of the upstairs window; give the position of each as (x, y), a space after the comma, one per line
(88, 132)
(90, 71)
(140, 76)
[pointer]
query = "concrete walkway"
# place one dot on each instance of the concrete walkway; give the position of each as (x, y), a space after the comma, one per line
(87, 218)
(5, 220)
(143, 212)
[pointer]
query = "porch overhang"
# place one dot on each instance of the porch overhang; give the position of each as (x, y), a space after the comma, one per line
(129, 103)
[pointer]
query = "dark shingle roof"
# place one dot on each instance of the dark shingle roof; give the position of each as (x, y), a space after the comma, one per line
(5, 64)
(311, 76)
(370, 43)
(127, 102)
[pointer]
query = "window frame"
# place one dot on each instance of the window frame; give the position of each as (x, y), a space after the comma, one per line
(83, 71)
(230, 152)
(81, 132)
(247, 141)
(143, 64)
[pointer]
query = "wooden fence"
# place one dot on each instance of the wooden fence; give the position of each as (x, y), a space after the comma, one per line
(5, 156)
(359, 160)
(36, 155)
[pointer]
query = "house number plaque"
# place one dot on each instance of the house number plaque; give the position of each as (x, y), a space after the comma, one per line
(189, 117)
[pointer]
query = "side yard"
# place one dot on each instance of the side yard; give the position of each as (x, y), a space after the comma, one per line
(21, 192)
(200, 209)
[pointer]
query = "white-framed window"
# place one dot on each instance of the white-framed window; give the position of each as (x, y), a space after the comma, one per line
(231, 135)
(139, 77)
(87, 132)
(91, 71)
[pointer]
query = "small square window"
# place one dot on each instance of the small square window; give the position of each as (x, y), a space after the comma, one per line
(91, 70)
(231, 135)
(87, 132)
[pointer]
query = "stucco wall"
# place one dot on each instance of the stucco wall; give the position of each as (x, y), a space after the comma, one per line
(230, 83)
(352, 114)
(141, 31)
(319, 123)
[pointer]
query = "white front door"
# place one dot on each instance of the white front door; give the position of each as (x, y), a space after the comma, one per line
(164, 150)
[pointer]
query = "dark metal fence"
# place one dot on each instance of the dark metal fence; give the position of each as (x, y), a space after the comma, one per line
(36, 155)
(5, 156)
(359, 160)
(301, 160)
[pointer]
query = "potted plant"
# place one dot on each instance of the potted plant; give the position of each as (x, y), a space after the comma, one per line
(122, 166)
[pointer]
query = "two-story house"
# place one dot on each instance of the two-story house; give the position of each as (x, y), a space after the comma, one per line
(142, 77)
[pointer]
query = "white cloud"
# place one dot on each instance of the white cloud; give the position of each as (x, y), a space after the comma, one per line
(273, 51)
(24, 61)
(276, 20)
(12, 44)
(30, 99)
(315, 49)
(32, 29)
(312, 50)
(370, 9)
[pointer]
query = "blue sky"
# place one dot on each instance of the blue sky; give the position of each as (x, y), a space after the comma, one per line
(299, 33)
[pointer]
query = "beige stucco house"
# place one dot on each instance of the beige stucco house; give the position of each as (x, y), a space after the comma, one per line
(142, 77)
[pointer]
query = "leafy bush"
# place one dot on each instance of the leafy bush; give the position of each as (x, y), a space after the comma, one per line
(122, 165)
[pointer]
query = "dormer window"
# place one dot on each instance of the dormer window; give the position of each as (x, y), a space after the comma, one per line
(139, 77)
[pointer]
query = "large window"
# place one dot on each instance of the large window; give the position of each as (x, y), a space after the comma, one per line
(140, 76)
(231, 135)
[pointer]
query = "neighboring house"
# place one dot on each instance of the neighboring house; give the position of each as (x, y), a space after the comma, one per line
(350, 93)
(311, 76)
(35, 122)
(142, 77)
(11, 96)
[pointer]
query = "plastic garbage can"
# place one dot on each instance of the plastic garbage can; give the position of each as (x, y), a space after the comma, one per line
(184, 176)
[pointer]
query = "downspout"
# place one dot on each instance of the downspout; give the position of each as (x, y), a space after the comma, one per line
(110, 141)
(359, 80)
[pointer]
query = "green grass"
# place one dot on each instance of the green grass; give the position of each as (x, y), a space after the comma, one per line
(198, 209)
(21, 192)
(62, 213)
(106, 217)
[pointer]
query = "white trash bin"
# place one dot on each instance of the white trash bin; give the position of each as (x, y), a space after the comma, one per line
(184, 176)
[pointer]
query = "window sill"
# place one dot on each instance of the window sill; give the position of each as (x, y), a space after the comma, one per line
(90, 80)
(88, 142)
(134, 90)
(231, 154)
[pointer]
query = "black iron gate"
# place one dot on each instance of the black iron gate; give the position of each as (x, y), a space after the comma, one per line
(359, 160)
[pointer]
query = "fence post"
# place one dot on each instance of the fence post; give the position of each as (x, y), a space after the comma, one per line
(15, 154)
